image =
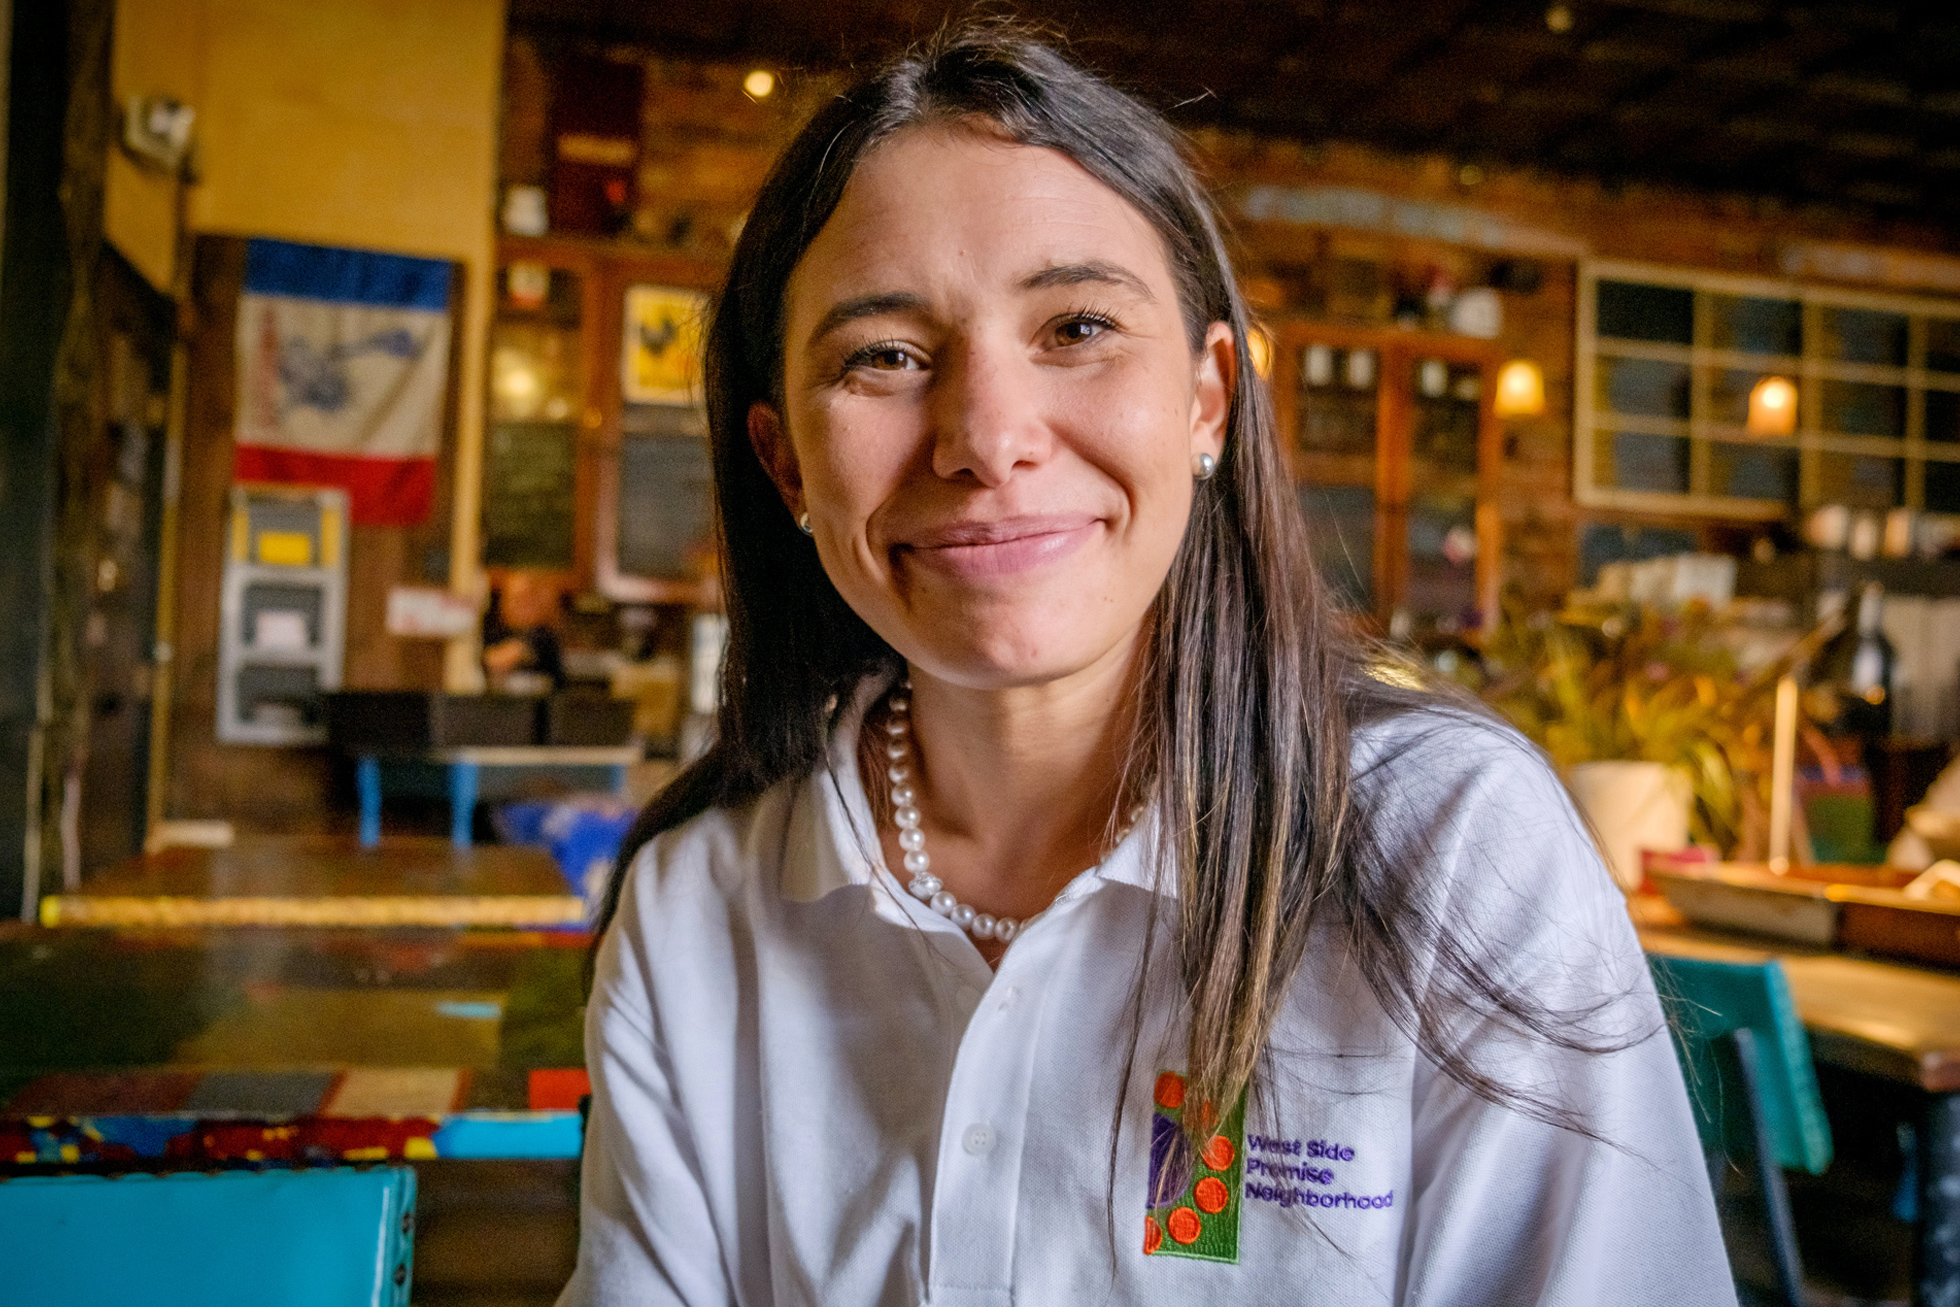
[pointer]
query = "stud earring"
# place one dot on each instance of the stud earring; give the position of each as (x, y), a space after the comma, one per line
(1203, 466)
(803, 524)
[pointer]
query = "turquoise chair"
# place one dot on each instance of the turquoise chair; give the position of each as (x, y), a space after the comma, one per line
(325, 1238)
(1747, 1063)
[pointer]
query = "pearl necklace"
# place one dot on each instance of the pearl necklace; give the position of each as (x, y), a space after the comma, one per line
(925, 886)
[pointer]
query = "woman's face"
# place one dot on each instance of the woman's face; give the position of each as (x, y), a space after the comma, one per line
(991, 408)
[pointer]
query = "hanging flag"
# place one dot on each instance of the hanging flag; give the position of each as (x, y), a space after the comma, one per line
(343, 357)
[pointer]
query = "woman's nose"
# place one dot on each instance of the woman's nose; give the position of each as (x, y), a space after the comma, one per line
(988, 415)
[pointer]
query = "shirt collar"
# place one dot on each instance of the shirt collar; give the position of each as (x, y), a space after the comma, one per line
(835, 841)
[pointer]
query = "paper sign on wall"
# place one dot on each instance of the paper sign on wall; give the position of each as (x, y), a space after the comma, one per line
(430, 613)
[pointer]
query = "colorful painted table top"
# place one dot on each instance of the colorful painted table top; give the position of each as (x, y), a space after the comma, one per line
(221, 1046)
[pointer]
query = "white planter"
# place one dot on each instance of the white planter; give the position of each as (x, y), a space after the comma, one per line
(1633, 806)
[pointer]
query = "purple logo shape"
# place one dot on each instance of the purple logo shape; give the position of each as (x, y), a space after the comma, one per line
(1170, 1160)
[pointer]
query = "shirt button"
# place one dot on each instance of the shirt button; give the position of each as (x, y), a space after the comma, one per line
(1009, 997)
(978, 1139)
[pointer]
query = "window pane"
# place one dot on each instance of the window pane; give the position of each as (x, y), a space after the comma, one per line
(1442, 539)
(1630, 311)
(1755, 326)
(1860, 480)
(1728, 394)
(1446, 409)
(1643, 387)
(1336, 400)
(535, 372)
(1634, 460)
(1858, 408)
(1865, 336)
(1341, 533)
(1753, 471)
(1942, 415)
(1942, 486)
(1943, 345)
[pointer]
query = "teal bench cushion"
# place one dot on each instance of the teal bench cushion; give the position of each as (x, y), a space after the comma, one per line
(322, 1238)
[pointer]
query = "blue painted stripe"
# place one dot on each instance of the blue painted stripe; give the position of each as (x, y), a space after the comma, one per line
(510, 1134)
(318, 272)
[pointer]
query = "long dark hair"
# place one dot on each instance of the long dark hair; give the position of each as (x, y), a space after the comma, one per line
(1253, 684)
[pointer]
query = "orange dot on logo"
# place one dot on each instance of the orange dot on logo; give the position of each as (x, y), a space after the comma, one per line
(1153, 1235)
(1218, 1153)
(1212, 1195)
(1170, 1090)
(1185, 1225)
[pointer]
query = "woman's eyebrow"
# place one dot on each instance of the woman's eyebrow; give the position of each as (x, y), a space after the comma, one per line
(866, 306)
(1094, 270)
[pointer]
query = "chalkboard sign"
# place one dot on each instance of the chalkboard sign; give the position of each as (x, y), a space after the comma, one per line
(665, 517)
(530, 479)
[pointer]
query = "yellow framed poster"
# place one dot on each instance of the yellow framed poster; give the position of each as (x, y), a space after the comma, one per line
(661, 358)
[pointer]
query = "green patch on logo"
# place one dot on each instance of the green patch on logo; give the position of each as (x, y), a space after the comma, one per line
(1192, 1209)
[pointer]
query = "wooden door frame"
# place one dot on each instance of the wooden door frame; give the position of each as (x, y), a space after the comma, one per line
(605, 271)
(1395, 351)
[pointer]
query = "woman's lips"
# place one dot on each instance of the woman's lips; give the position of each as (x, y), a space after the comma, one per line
(987, 549)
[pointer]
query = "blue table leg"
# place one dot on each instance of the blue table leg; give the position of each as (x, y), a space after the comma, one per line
(462, 802)
(368, 781)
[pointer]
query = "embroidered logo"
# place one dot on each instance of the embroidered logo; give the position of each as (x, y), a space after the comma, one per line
(1193, 1204)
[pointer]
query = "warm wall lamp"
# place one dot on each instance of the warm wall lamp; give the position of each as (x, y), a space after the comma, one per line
(1773, 407)
(1520, 390)
(1259, 344)
(759, 84)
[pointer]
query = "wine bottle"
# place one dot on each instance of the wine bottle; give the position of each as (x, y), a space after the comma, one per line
(1857, 670)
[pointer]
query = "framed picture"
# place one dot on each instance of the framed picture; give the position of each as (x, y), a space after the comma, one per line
(661, 345)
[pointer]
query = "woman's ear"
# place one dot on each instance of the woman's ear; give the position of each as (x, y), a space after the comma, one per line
(778, 457)
(1211, 397)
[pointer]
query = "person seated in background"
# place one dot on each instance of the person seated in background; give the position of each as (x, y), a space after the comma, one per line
(521, 654)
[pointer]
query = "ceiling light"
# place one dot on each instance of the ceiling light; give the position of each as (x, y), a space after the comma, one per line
(1559, 19)
(1520, 390)
(759, 83)
(1773, 407)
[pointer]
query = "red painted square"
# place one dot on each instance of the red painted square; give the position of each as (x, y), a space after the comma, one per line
(559, 1088)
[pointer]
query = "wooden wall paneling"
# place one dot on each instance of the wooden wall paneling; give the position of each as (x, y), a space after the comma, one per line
(598, 433)
(282, 790)
(274, 790)
(1392, 432)
(1490, 517)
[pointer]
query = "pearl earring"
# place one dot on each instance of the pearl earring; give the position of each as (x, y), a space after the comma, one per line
(1203, 466)
(803, 524)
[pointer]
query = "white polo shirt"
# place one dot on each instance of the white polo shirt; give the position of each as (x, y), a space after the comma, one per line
(809, 1088)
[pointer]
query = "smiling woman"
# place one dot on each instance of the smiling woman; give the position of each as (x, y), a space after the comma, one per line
(1020, 603)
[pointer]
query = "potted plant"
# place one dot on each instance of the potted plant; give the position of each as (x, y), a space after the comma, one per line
(1645, 712)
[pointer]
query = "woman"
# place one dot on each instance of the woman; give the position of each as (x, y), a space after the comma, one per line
(1344, 1007)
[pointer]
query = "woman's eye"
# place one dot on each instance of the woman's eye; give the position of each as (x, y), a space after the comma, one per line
(884, 358)
(1077, 330)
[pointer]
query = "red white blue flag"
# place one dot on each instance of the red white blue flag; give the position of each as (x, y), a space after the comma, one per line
(343, 359)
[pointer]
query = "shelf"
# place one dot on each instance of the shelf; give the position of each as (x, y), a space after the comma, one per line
(1803, 575)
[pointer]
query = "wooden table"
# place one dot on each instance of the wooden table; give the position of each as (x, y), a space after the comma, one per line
(1886, 1019)
(326, 882)
(465, 767)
